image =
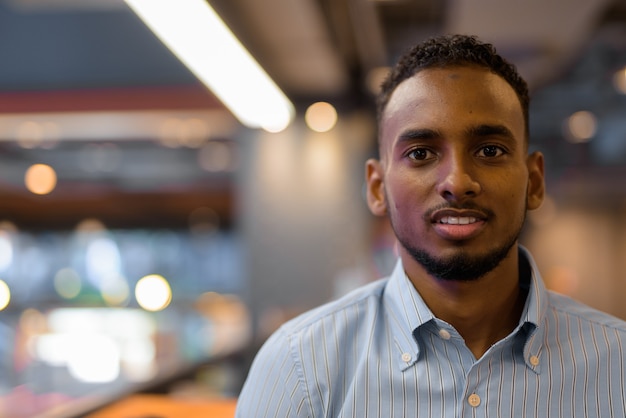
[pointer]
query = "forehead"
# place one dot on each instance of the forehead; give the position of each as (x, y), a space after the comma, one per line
(442, 98)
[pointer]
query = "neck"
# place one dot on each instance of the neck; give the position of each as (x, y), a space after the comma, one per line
(483, 311)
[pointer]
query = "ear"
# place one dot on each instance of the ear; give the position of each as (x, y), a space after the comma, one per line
(376, 199)
(536, 183)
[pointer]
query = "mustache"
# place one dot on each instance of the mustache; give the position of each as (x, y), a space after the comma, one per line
(464, 206)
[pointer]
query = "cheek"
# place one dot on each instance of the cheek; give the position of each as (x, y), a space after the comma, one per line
(395, 196)
(403, 192)
(512, 186)
(407, 201)
(517, 198)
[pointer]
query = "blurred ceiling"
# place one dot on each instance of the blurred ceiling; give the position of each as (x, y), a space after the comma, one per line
(95, 58)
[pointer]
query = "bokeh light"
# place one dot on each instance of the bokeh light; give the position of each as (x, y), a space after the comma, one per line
(6, 250)
(229, 319)
(40, 179)
(95, 358)
(321, 117)
(29, 134)
(581, 126)
(67, 283)
(115, 291)
(619, 80)
(90, 225)
(33, 321)
(562, 279)
(191, 133)
(103, 260)
(153, 292)
(215, 156)
(5, 295)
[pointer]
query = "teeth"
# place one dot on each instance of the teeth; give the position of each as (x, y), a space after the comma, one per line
(457, 220)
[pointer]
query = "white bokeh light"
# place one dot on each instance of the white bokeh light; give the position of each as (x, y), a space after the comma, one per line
(5, 295)
(6, 251)
(103, 260)
(153, 292)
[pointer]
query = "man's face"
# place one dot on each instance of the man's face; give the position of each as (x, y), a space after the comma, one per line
(454, 175)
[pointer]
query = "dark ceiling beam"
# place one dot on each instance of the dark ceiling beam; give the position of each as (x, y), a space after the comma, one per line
(107, 99)
(117, 209)
(368, 34)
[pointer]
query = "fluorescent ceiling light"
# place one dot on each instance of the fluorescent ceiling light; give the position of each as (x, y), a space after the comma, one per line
(199, 38)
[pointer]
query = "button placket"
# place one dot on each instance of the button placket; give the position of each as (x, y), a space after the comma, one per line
(475, 389)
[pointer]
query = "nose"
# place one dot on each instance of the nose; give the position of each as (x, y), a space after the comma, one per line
(457, 181)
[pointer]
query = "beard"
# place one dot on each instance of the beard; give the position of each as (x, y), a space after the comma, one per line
(461, 267)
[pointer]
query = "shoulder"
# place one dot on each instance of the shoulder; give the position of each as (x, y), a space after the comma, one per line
(279, 379)
(586, 317)
(583, 341)
(351, 307)
(330, 323)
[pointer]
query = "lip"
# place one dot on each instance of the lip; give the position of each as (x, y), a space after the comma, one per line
(458, 225)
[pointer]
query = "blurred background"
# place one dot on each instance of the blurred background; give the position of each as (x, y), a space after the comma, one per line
(151, 238)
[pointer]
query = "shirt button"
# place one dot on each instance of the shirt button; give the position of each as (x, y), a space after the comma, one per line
(406, 357)
(474, 400)
(444, 334)
(534, 360)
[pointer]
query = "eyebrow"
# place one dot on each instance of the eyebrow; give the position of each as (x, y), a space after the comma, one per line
(413, 134)
(485, 130)
(477, 131)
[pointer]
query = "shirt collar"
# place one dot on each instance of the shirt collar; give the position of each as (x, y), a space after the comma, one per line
(407, 312)
(534, 314)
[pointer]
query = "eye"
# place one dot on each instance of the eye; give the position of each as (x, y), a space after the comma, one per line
(490, 151)
(420, 154)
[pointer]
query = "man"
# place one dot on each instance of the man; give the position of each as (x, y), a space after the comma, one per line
(464, 325)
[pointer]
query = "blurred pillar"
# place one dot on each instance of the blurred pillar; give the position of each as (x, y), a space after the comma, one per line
(303, 218)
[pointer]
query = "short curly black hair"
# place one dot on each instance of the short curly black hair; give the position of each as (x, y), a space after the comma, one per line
(451, 51)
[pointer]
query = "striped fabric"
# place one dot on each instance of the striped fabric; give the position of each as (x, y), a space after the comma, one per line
(379, 352)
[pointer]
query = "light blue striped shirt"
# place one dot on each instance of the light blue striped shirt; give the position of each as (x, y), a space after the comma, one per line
(380, 352)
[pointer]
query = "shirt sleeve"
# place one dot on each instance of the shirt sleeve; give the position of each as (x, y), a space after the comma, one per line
(274, 387)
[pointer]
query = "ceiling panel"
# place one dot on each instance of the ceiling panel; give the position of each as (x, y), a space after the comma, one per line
(77, 48)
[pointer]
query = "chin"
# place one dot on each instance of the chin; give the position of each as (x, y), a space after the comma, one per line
(460, 263)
